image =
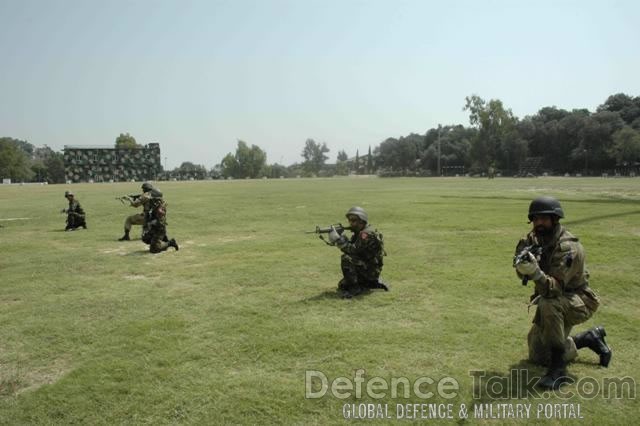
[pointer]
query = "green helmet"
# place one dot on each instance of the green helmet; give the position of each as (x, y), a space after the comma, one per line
(146, 187)
(545, 205)
(155, 193)
(358, 211)
(68, 193)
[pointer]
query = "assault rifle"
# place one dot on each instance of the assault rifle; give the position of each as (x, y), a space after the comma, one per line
(338, 227)
(130, 197)
(523, 256)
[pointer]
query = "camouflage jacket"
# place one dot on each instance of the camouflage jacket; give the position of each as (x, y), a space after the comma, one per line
(562, 261)
(366, 245)
(142, 200)
(75, 209)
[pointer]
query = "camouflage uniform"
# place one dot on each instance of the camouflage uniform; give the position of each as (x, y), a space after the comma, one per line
(138, 218)
(362, 259)
(563, 295)
(155, 225)
(76, 217)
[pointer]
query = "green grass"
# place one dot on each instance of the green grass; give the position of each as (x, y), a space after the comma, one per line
(97, 331)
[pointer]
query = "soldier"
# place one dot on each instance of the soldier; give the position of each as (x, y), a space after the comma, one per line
(562, 294)
(361, 261)
(155, 225)
(138, 218)
(75, 214)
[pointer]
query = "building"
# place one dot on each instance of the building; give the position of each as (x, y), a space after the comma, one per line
(108, 163)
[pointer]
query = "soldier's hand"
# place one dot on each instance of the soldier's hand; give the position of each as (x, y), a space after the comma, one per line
(333, 235)
(529, 267)
(336, 238)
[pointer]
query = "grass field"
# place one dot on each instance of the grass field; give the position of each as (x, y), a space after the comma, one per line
(97, 331)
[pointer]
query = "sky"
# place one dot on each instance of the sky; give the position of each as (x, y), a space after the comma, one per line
(197, 76)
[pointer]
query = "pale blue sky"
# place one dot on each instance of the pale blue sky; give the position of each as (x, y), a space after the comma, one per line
(196, 76)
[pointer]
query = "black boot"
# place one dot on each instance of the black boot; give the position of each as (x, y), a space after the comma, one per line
(174, 244)
(125, 237)
(347, 289)
(556, 374)
(594, 340)
(382, 285)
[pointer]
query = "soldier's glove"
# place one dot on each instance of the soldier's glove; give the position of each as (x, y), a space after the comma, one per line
(335, 238)
(530, 268)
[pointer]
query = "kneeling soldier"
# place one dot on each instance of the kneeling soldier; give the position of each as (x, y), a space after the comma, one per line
(362, 257)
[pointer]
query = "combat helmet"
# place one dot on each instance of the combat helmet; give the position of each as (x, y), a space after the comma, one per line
(156, 193)
(68, 193)
(545, 205)
(146, 187)
(358, 211)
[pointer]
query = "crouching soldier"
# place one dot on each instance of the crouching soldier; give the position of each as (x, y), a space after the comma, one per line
(155, 225)
(562, 294)
(361, 261)
(76, 217)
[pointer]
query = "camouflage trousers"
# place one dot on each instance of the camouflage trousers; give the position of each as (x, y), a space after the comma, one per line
(552, 324)
(75, 220)
(156, 237)
(134, 219)
(358, 273)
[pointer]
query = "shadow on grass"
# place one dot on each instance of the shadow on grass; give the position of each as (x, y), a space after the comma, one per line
(335, 294)
(601, 217)
(138, 253)
(519, 382)
(611, 200)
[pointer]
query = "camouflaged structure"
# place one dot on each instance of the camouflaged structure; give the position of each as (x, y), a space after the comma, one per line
(104, 164)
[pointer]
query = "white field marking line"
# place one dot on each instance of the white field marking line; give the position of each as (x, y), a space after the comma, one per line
(15, 218)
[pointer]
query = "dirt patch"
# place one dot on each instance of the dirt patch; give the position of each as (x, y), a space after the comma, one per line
(21, 380)
(234, 239)
(134, 277)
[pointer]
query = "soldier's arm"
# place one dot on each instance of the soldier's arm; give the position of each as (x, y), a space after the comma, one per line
(137, 202)
(567, 262)
(366, 246)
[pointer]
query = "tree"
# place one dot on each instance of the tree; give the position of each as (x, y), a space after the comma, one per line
(369, 162)
(399, 155)
(496, 126)
(342, 168)
(126, 141)
(626, 146)
(188, 170)
(314, 156)
(248, 162)
(596, 140)
(14, 162)
(229, 166)
(55, 168)
(626, 106)
(251, 160)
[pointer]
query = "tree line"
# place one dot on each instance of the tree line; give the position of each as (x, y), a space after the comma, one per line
(556, 140)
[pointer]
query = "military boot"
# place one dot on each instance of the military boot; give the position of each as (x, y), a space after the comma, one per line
(382, 285)
(174, 244)
(347, 290)
(556, 375)
(594, 340)
(125, 237)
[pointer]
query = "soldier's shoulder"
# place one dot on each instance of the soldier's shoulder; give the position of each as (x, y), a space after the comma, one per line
(369, 232)
(570, 245)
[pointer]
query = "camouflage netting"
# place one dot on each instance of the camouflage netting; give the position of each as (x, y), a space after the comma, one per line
(99, 164)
